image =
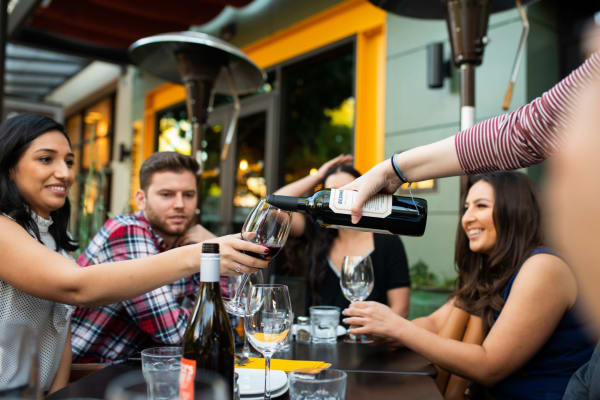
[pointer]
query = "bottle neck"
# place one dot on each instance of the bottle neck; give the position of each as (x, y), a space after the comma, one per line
(210, 268)
(288, 203)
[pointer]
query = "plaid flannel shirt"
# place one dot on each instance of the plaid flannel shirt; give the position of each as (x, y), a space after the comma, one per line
(112, 333)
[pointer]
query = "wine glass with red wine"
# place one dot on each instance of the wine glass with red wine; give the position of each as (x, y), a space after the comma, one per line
(268, 226)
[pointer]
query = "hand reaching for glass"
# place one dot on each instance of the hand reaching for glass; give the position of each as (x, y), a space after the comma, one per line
(240, 256)
(373, 318)
(267, 226)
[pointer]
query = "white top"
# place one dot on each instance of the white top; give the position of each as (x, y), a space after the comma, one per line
(50, 320)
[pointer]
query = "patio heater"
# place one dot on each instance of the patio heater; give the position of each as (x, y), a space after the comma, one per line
(467, 22)
(206, 66)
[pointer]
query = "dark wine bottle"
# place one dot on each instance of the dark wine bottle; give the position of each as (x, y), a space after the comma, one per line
(208, 340)
(384, 213)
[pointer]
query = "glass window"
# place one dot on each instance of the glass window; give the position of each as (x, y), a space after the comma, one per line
(174, 130)
(73, 128)
(90, 132)
(250, 183)
(175, 134)
(211, 189)
(267, 87)
(317, 111)
(96, 135)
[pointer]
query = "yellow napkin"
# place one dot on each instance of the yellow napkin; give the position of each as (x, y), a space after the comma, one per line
(286, 365)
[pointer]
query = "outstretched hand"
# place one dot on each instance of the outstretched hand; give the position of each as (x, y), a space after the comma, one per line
(233, 261)
(379, 179)
(373, 318)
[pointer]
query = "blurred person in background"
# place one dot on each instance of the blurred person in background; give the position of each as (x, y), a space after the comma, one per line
(326, 248)
(573, 190)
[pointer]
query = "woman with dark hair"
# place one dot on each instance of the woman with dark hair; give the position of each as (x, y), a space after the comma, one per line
(523, 292)
(327, 247)
(37, 276)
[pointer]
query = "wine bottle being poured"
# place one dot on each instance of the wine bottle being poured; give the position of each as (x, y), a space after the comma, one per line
(384, 213)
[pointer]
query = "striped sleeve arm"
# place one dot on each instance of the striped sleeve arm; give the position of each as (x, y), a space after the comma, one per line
(527, 135)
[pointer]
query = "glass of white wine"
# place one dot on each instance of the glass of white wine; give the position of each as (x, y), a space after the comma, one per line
(268, 322)
(357, 280)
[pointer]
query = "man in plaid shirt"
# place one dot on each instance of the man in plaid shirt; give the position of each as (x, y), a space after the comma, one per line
(167, 203)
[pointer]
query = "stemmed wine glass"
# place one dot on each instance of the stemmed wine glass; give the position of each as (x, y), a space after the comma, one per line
(233, 283)
(268, 226)
(268, 323)
(357, 280)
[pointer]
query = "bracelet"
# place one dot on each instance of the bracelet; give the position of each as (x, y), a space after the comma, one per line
(397, 171)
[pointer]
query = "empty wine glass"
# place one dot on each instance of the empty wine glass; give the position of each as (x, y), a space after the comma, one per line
(357, 280)
(268, 322)
(233, 283)
(268, 226)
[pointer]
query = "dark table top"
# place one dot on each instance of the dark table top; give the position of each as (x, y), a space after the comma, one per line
(359, 386)
(374, 372)
(361, 357)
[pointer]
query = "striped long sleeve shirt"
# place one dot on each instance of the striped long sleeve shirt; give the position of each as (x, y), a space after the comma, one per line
(527, 135)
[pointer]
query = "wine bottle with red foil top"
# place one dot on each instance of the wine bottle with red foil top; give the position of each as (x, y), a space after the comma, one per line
(208, 341)
(383, 213)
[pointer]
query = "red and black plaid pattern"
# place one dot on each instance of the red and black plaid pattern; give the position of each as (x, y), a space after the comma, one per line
(112, 333)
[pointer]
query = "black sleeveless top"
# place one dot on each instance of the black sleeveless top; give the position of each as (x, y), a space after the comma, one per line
(546, 375)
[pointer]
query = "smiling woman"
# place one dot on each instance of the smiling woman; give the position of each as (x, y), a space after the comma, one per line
(37, 277)
(48, 165)
(524, 294)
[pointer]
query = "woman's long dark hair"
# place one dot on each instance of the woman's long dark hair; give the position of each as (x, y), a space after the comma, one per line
(16, 135)
(319, 242)
(482, 278)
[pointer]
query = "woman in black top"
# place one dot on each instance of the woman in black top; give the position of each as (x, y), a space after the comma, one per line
(326, 248)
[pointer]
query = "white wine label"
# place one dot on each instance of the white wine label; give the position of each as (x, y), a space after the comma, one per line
(357, 228)
(210, 268)
(379, 206)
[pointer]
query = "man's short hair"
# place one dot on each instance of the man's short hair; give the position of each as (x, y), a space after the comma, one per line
(165, 161)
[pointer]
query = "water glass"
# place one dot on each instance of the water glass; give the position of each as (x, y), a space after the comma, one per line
(132, 386)
(19, 364)
(129, 386)
(329, 384)
(161, 366)
(324, 321)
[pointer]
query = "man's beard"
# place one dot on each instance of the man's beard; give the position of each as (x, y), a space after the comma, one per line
(162, 228)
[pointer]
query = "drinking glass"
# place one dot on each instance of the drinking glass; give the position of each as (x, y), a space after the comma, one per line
(233, 284)
(357, 280)
(161, 367)
(328, 384)
(268, 226)
(19, 364)
(324, 321)
(268, 322)
(132, 386)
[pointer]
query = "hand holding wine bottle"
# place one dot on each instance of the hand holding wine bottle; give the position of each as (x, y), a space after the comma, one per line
(383, 213)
